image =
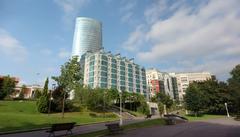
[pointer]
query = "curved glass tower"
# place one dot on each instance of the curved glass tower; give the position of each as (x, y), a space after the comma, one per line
(87, 36)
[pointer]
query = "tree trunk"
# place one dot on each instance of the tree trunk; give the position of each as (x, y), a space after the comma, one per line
(63, 104)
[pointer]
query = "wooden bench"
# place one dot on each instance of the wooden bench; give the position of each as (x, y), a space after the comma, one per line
(148, 116)
(59, 127)
(114, 128)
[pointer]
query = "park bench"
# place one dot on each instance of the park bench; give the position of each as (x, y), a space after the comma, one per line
(114, 128)
(148, 116)
(60, 127)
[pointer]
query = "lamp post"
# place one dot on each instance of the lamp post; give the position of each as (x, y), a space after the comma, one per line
(120, 122)
(226, 109)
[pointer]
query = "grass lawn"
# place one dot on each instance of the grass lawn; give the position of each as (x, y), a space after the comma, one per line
(22, 115)
(148, 123)
(203, 117)
(135, 113)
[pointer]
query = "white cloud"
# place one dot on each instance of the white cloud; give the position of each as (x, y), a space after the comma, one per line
(71, 8)
(126, 11)
(208, 33)
(135, 40)
(11, 47)
(63, 53)
(128, 5)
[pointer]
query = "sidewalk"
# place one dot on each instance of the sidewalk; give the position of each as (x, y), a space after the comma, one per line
(76, 130)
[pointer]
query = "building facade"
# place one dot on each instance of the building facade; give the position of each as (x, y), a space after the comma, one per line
(105, 70)
(28, 91)
(87, 36)
(160, 82)
(184, 79)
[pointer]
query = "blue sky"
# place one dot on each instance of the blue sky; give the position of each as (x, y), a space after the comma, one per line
(173, 36)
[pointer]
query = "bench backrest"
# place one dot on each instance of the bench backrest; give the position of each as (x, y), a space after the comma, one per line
(62, 126)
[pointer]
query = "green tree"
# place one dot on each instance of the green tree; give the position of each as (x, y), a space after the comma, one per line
(7, 88)
(234, 87)
(23, 89)
(43, 101)
(113, 94)
(98, 100)
(194, 99)
(58, 96)
(161, 108)
(143, 108)
(81, 97)
(215, 95)
(165, 99)
(70, 77)
(37, 93)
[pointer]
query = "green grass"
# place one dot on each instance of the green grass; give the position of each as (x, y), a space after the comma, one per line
(22, 115)
(148, 123)
(135, 113)
(203, 117)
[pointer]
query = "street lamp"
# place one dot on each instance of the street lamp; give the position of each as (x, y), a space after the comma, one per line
(120, 122)
(226, 109)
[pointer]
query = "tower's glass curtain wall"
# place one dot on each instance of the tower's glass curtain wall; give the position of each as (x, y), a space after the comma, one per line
(87, 36)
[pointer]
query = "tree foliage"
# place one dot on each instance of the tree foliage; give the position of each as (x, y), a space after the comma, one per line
(37, 93)
(165, 99)
(70, 77)
(58, 96)
(234, 87)
(7, 87)
(210, 96)
(43, 101)
(21, 94)
(99, 99)
(194, 99)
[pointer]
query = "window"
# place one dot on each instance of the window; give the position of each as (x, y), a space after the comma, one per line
(114, 61)
(114, 76)
(104, 80)
(114, 82)
(104, 74)
(122, 63)
(104, 57)
(122, 72)
(105, 63)
(122, 77)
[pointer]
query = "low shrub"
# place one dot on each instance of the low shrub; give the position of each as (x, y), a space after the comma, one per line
(102, 115)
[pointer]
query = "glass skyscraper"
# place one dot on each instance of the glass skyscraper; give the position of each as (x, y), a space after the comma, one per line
(103, 69)
(87, 36)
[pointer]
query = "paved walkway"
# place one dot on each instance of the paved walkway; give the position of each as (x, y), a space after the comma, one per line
(211, 128)
(77, 130)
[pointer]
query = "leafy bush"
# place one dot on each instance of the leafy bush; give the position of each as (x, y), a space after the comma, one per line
(144, 108)
(160, 108)
(102, 115)
(93, 114)
(37, 93)
(42, 104)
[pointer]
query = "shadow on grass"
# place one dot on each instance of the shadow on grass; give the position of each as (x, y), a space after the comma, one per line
(193, 115)
(25, 126)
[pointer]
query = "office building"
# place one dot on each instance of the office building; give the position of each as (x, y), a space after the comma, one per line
(87, 36)
(105, 70)
(184, 79)
(160, 82)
